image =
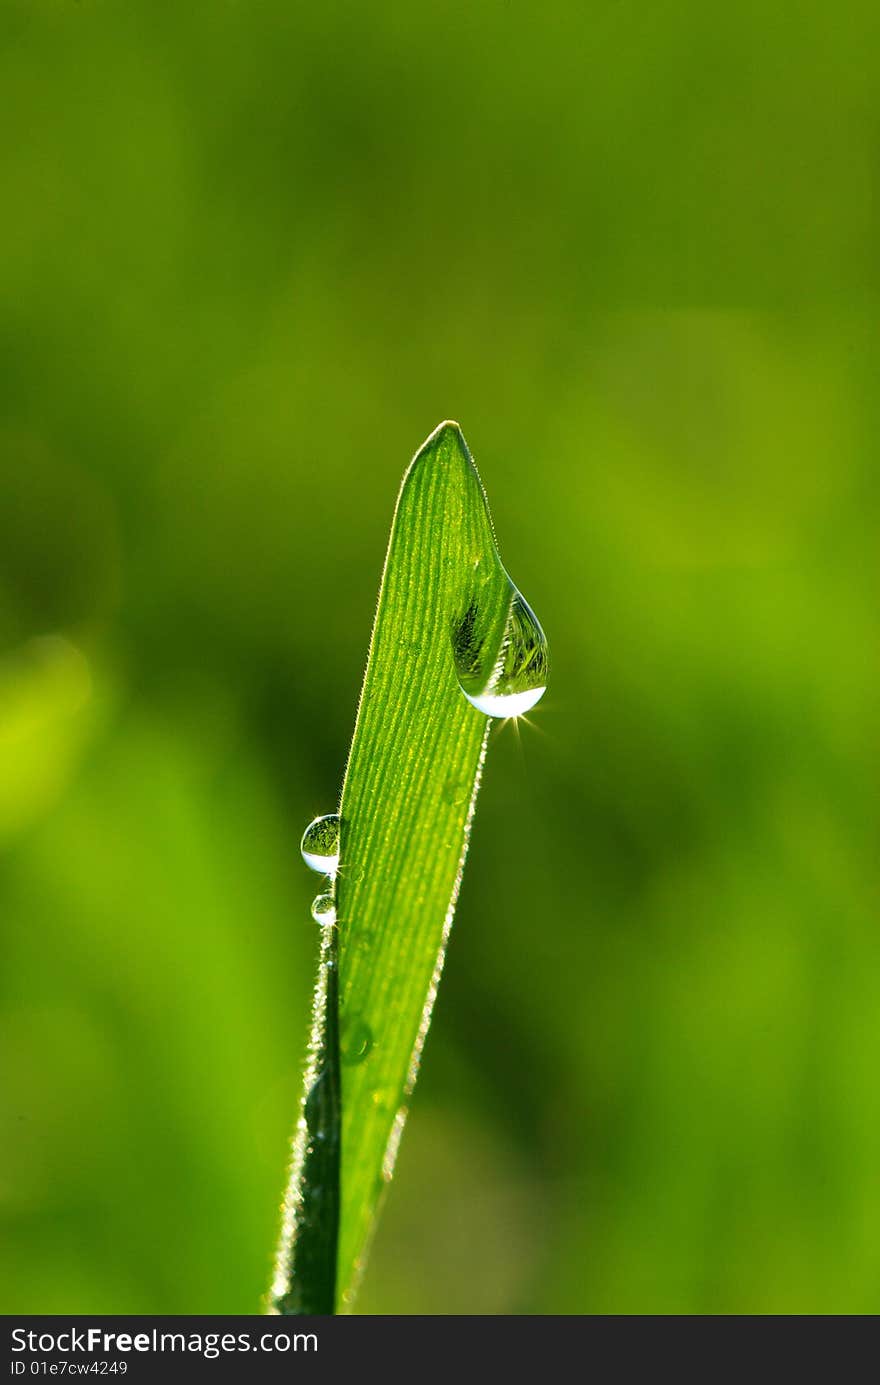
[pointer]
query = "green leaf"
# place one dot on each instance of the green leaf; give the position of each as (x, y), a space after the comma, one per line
(450, 626)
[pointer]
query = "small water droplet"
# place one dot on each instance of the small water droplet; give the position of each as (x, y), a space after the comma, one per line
(320, 844)
(324, 909)
(510, 682)
(455, 792)
(364, 939)
(355, 1039)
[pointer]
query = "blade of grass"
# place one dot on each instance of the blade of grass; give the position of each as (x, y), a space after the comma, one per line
(305, 1265)
(407, 805)
(406, 810)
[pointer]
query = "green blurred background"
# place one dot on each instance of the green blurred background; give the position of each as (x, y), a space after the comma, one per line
(250, 255)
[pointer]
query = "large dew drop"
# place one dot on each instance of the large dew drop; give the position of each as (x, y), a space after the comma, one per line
(320, 844)
(513, 680)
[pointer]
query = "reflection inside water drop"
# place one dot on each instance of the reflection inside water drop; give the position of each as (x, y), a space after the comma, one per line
(320, 844)
(503, 680)
(324, 909)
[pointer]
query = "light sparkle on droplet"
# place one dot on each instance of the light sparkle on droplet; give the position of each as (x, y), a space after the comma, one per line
(509, 705)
